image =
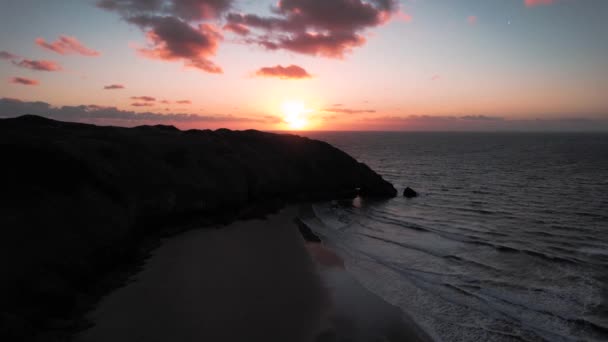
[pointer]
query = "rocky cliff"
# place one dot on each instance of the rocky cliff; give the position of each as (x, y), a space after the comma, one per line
(75, 198)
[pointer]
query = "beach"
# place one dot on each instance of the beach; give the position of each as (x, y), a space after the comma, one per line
(249, 281)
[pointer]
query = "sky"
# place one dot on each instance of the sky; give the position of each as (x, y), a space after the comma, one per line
(455, 65)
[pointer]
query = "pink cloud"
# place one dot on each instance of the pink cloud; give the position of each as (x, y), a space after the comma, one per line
(472, 19)
(67, 45)
(237, 28)
(41, 65)
(533, 3)
(291, 72)
(24, 81)
(184, 102)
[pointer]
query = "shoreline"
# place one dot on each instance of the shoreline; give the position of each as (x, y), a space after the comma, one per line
(250, 279)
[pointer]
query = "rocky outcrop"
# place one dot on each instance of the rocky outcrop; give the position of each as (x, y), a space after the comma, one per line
(409, 193)
(76, 199)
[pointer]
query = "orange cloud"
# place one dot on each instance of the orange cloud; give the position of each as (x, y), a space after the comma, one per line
(67, 45)
(24, 81)
(292, 72)
(184, 102)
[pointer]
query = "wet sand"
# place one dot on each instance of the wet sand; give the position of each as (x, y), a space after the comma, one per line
(250, 281)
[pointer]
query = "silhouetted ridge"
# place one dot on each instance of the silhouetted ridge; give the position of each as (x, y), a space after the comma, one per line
(76, 199)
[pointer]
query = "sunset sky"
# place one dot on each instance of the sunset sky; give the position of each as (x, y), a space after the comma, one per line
(309, 64)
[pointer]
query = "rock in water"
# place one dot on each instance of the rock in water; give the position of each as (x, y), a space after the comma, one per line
(409, 193)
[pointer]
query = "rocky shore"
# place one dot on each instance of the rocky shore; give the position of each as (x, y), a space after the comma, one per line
(78, 201)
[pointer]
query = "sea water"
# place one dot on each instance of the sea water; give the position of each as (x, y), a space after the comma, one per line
(508, 240)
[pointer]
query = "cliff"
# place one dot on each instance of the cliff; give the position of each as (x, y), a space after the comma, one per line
(77, 198)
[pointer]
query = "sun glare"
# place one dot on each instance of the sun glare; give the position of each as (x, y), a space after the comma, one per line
(295, 114)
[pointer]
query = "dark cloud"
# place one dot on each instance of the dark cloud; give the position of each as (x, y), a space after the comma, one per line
(7, 55)
(99, 114)
(348, 110)
(142, 104)
(67, 45)
(481, 117)
(170, 33)
(144, 98)
(38, 65)
(114, 86)
(24, 81)
(289, 72)
(317, 27)
(170, 38)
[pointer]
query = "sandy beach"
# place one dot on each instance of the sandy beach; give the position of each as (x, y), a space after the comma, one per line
(249, 281)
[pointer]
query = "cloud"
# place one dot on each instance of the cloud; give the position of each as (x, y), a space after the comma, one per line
(292, 72)
(189, 10)
(184, 102)
(41, 65)
(144, 98)
(481, 123)
(8, 56)
(239, 29)
(317, 27)
(142, 104)
(170, 34)
(114, 86)
(100, 114)
(67, 45)
(481, 117)
(472, 20)
(171, 39)
(534, 3)
(24, 81)
(165, 102)
(435, 77)
(348, 111)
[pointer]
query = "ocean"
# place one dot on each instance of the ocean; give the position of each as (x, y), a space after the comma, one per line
(508, 240)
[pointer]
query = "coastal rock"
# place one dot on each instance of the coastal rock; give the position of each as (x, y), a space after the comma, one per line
(78, 199)
(409, 193)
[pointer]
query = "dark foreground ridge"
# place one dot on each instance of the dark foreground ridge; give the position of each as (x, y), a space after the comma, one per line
(77, 200)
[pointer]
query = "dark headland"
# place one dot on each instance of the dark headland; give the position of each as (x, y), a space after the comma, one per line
(78, 201)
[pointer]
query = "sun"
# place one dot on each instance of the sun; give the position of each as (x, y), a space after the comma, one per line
(294, 113)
